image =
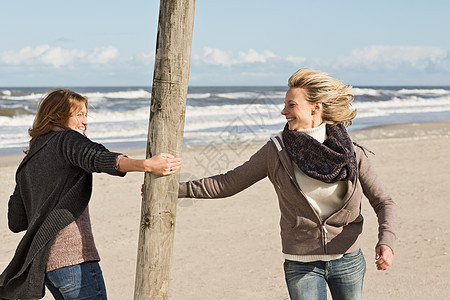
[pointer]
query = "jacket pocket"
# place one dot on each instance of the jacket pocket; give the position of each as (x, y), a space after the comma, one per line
(341, 218)
(299, 226)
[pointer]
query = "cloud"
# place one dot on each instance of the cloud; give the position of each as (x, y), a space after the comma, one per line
(394, 57)
(251, 56)
(370, 58)
(250, 66)
(214, 56)
(102, 55)
(57, 56)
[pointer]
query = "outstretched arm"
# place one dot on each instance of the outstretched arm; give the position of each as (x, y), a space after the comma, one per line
(230, 183)
(161, 164)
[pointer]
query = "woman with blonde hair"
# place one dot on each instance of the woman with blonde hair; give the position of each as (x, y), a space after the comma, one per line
(50, 202)
(320, 176)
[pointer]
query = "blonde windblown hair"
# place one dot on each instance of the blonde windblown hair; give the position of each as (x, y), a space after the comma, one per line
(335, 96)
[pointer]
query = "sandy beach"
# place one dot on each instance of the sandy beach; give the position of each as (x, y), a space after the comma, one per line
(230, 248)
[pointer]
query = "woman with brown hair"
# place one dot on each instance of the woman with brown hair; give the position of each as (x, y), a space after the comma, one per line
(320, 176)
(50, 202)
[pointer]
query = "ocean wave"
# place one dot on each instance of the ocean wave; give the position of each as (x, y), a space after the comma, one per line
(405, 110)
(366, 91)
(27, 97)
(132, 94)
(5, 92)
(215, 114)
(430, 92)
(239, 95)
(236, 109)
(404, 101)
(14, 111)
(98, 116)
(16, 120)
(198, 96)
(372, 92)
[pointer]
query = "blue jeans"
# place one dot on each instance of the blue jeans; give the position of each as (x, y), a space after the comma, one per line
(82, 281)
(344, 276)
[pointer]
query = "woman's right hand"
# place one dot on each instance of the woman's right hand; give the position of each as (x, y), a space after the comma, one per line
(162, 164)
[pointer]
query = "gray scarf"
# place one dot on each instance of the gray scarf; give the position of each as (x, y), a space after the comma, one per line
(332, 161)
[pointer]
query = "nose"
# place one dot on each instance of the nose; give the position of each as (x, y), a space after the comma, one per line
(84, 120)
(284, 112)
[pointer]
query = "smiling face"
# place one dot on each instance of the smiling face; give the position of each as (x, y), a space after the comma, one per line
(299, 112)
(78, 120)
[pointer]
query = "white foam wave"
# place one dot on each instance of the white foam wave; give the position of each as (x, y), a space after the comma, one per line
(366, 91)
(403, 91)
(216, 110)
(239, 95)
(31, 96)
(224, 123)
(6, 92)
(133, 94)
(199, 96)
(406, 110)
(408, 101)
(206, 125)
(21, 120)
(429, 92)
(98, 116)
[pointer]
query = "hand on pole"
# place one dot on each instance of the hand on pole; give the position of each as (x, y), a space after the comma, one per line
(162, 164)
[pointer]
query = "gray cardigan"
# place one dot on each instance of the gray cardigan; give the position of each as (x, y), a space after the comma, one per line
(53, 187)
(303, 232)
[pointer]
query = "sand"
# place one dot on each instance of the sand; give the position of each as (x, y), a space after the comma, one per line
(230, 248)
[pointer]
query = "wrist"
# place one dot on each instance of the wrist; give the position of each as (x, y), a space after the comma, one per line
(147, 165)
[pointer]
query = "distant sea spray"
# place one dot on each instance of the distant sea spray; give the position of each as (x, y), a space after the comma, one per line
(118, 116)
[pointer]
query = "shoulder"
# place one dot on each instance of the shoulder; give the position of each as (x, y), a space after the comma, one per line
(277, 141)
(73, 139)
(361, 151)
(58, 137)
(71, 134)
(264, 154)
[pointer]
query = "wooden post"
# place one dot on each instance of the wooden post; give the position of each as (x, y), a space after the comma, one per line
(166, 127)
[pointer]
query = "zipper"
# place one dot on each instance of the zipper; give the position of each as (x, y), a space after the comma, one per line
(324, 238)
(324, 231)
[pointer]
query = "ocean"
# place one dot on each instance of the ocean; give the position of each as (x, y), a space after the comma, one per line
(118, 116)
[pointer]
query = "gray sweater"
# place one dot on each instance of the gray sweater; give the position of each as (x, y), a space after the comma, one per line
(303, 232)
(53, 187)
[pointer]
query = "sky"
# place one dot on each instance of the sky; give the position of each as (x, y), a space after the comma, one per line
(55, 43)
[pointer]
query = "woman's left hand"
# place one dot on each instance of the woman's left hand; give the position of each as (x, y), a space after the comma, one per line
(383, 257)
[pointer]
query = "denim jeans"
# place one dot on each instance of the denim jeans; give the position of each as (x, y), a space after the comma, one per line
(344, 276)
(82, 281)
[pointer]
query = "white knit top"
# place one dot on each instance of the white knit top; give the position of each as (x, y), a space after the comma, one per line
(325, 198)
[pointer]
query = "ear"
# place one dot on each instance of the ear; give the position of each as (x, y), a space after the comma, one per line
(317, 108)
